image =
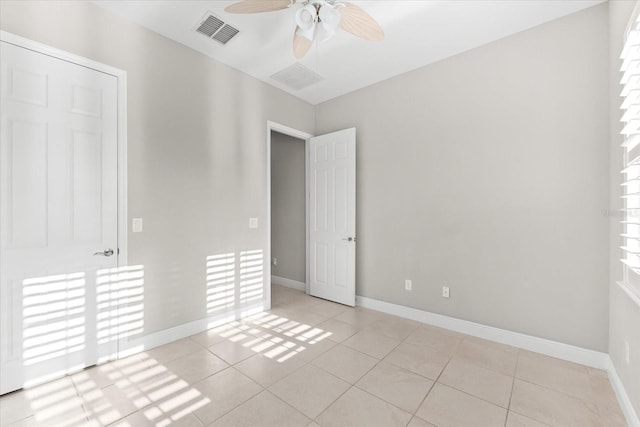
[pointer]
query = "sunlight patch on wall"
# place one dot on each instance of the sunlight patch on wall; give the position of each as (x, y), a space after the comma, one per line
(221, 283)
(251, 278)
(120, 303)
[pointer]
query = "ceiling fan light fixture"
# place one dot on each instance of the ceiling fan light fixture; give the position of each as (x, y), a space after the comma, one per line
(317, 20)
(308, 34)
(329, 16)
(324, 32)
(307, 17)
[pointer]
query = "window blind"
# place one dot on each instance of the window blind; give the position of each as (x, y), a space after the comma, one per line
(630, 106)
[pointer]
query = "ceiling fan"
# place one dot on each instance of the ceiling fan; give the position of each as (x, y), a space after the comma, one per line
(317, 19)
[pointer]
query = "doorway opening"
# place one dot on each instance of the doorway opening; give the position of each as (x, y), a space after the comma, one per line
(288, 212)
(287, 209)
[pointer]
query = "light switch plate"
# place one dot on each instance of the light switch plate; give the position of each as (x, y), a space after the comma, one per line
(136, 226)
(253, 222)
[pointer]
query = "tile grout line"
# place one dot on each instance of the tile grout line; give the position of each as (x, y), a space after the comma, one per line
(334, 401)
(549, 389)
(242, 403)
(350, 384)
(283, 401)
(431, 389)
(82, 402)
(513, 384)
(556, 391)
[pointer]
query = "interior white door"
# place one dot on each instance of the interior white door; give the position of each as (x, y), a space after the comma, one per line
(332, 216)
(58, 207)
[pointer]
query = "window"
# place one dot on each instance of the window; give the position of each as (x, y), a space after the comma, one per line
(631, 173)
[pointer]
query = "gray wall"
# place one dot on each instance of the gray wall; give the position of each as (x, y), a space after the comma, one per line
(624, 318)
(197, 153)
(288, 216)
(486, 172)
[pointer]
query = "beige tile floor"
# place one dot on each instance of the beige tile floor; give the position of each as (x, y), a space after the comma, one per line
(309, 362)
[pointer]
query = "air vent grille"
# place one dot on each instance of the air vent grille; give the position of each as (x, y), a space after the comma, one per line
(210, 26)
(216, 29)
(297, 77)
(226, 33)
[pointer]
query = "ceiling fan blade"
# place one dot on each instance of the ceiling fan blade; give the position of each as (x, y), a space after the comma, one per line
(301, 45)
(257, 6)
(359, 23)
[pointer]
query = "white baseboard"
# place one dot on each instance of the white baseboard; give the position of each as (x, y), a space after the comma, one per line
(560, 350)
(293, 284)
(146, 342)
(623, 398)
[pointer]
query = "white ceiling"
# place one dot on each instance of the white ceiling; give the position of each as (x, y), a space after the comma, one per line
(418, 32)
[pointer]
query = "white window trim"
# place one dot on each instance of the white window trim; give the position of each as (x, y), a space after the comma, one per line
(631, 158)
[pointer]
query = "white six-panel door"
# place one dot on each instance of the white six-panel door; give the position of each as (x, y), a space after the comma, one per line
(332, 216)
(58, 206)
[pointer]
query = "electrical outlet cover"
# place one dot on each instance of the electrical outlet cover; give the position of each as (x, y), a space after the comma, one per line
(445, 292)
(627, 355)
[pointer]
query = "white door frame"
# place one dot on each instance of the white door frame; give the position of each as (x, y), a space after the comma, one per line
(121, 77)
(286, 130)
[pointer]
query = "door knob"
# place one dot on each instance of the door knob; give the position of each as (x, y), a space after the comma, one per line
(106, 252)
(349, 239)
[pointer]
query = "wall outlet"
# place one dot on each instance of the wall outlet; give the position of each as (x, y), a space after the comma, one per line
(408, 285)
(253, 222)
(275, 261)
(627, 352)
(445, 292)
(136, 225)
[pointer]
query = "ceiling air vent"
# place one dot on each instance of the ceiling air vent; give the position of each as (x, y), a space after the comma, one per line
(297, 77)
(226, 33)
(216, 29)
